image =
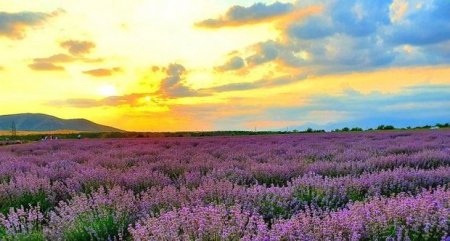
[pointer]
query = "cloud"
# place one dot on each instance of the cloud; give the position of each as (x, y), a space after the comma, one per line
(77, 47)
(357, 35)
(15, 25)
(133, 100)
(398, 9)
(173, 85)
(57, 58)
(359, 18)
(51, 63)
(102, 72)
(238, 15)
(290, 54)
(234, 63)
(315, 27)
(394, 21)
(441, 50)
(262, 83)
(414, 106)
(429, 24)
(265, 52)
(77, 50)
(42, 66)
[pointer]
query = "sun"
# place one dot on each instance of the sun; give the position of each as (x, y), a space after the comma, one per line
(108, 90)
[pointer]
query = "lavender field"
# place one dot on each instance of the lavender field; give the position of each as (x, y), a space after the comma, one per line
(327, 186)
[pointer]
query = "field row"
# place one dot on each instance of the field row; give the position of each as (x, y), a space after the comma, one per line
(362, 186)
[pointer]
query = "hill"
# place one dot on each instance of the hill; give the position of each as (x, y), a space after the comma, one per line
(42, 123)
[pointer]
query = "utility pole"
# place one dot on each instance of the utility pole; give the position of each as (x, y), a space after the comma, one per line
(13, 129)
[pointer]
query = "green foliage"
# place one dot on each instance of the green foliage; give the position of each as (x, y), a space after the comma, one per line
(270, 180)
(37, 235)
(346, 129)
(310, 196)
(26, 199)
(5, 179)
(91, 186)
(355, 194)
(270, 207)
(356, 129)
(174, 172)
(102, 224)
(399, 228)
(142, 186)
(446, 125)
(332, 199)
(2, 232)
(311, 130)
(385, 127)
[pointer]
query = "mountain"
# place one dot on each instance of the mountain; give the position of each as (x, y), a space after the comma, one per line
(42, 122)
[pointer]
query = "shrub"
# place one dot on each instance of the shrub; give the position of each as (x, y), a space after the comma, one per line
(102, 215)
(26, 190)
(424, 217)
(22, 225)
(201, 223)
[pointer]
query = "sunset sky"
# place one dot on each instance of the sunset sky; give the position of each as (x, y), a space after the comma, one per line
(169, 65)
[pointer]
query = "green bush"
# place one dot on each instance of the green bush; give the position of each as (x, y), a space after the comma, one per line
(102, 224)
(37, 235)
(25, 200)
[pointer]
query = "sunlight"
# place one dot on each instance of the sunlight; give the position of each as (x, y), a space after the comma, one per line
(108, 90)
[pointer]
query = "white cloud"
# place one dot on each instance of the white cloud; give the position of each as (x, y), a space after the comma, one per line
(398, 10)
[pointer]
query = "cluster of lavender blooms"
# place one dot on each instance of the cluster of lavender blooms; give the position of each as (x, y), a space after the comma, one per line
(103, 215)
(331, 186)
(423, 217)
(22, 224)
(201, 223)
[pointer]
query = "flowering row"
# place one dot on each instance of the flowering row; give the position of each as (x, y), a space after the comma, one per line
(113, 216)
(114, 209)
(246, 160)
(271, 202)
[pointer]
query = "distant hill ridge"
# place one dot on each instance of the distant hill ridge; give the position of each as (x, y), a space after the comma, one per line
(43, 122)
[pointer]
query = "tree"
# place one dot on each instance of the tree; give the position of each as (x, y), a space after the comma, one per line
(385, 127)
(356, 129)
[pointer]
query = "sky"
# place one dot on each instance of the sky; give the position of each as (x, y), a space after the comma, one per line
(199, 65)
